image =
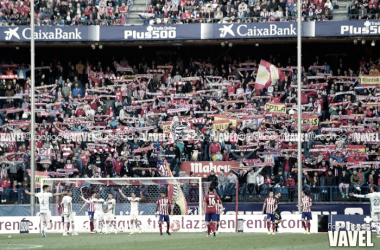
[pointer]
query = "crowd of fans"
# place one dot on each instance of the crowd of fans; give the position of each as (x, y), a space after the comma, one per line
(65, 12)
(131, 99)
(115, 12)
(364, 10)
(238, 11)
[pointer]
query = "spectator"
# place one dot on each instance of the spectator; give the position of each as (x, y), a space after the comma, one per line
(355, 181)
(231, 186)
(344, 182)
(290, 184)
(222, 184)
(213, 179)
(362, 12)
(330, 182)
(259, 184)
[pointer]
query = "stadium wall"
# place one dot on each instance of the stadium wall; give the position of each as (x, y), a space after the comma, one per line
(190, 32)
(244, 209)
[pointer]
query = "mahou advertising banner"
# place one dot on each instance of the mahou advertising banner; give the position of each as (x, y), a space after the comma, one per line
(203, 168)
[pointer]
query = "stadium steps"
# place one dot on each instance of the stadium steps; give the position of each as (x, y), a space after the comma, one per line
(341, 13)
(139, 6)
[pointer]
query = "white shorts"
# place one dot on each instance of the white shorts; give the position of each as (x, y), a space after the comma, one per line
(133, 215)
(375, 217)
(69, 218)
(99, 216)
(109, 216)
(46, 216)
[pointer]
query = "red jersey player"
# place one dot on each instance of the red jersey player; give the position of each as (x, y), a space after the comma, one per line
(210, 205)
(91, 210)
(306, 203)
(271, 204)
(162, 209)
(219, 210)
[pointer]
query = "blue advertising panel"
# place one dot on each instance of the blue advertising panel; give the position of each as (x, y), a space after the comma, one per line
(50, 33)
(150, 32)
(255, 30)
(348, 28)
(190, 32)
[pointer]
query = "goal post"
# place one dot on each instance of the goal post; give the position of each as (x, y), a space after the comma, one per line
(186, 192)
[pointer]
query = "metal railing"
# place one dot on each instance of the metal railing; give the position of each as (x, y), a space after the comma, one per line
(162, 21)
(289, 194)
(357, 16)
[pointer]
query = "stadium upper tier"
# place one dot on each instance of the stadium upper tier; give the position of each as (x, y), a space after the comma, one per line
(126, 12)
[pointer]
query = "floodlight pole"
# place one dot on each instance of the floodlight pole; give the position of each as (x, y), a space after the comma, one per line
(299, 113)
(32, 115)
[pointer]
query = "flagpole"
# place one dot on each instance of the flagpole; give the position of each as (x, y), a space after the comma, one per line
(299, 113)
(32, 115)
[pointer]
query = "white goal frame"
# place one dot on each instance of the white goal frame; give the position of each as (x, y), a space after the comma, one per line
(116, 180)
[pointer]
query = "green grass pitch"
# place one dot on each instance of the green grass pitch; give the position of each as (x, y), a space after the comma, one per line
(177, 241)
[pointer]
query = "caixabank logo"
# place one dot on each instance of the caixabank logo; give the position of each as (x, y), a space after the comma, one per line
(151, 32)
(54, 34)
(262, 30)
(367, 28)
(351, 231)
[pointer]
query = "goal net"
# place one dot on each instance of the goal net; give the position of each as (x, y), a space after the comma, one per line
(186, 192)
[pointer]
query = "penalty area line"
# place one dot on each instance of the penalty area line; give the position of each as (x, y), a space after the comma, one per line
(19, 246)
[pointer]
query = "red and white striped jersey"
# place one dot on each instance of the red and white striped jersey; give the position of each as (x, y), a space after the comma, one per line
(219, 207)
(271, 205)
(163, 204)
(306, 203)
(91, 207)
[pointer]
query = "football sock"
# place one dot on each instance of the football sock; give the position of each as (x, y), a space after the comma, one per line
(101, 226)
(208, 228)
(64, 227)
(68, 226)
(276, 225)
(160, 226)
(304, 225)
(217, 226)
(43, 226)
(132, 228)
(167, 227)
(73, 227)
(268, 226)
(107, 227)
(138, 225)
(308, 226)
(273, 227)
(91, 226)
(113, 223)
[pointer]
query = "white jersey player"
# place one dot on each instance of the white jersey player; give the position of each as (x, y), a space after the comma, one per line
(67, 213)
(99, 213)
(374, 201)
(44, 200)
(134, 211)
(110, 213)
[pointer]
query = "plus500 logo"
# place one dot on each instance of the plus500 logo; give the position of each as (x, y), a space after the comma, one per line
(151, 33)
